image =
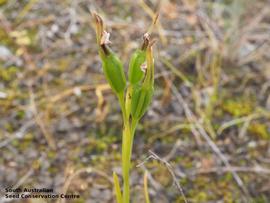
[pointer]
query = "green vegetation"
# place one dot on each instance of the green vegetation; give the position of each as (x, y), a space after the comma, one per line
(61, 124)
(134, 102)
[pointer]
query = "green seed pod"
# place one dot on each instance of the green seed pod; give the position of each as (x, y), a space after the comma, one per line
(141, 98)
(135, 73)
(142, 94)
(112, 66)
(114, 72)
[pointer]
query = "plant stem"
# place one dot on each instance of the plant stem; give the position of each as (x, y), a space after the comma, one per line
(126, 162)
(127, 152)
(122, 105)
(125, 149)
(128, 136)
(127, 142)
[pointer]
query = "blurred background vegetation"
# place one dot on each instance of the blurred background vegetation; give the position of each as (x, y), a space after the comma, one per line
(208, 123)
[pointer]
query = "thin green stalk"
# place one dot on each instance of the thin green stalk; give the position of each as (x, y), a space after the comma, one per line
(132, 132)
(121, 99)
(134, 123)
(129, 137)
(126, 144)
(126, 162)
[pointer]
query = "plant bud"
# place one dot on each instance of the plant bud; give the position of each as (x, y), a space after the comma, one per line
(114, 72)
(141, 98)
(112, 66)
(142, 93)
(136, 73)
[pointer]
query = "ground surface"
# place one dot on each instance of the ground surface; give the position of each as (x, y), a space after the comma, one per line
(208, 123)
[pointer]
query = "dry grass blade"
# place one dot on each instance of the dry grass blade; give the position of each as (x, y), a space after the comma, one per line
(40, 122)
(146, 192)
(170, 169)
(156, 22)
(192, 119)
(257, 169)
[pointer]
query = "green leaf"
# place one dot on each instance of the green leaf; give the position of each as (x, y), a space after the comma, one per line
(117, 188)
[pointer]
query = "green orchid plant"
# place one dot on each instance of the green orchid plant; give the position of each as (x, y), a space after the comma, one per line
(134, 96)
